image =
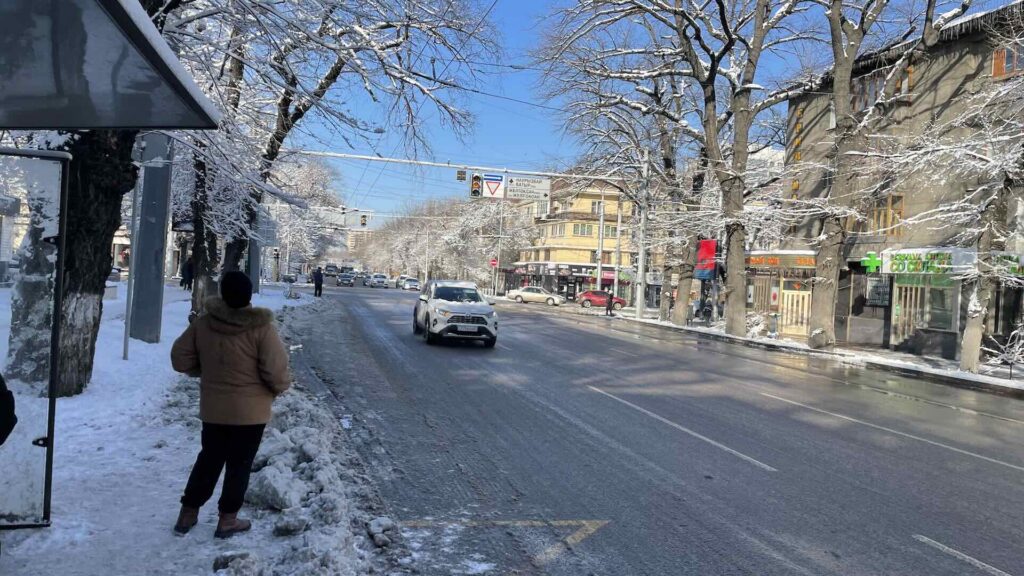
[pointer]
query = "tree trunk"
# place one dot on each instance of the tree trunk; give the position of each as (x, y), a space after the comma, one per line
(824, 286)
(688, 259)
(32, 299)
(984, 287)
(101, 173)
(735, 278)
(204, 242)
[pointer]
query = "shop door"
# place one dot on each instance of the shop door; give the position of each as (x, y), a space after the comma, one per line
(795, 310)
(762, 294)
(907, 312)
(31, 193)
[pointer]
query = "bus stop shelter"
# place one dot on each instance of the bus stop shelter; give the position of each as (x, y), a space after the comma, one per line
(64, 65)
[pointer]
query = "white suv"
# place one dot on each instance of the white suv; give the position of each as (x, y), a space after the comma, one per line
(448, 309)
(378, 280)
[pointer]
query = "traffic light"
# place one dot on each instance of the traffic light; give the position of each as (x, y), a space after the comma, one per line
(476, 186)
(362, 220)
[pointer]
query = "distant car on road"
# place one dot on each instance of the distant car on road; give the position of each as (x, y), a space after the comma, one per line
(400, 280)
(450, 309)
(379, 281)
(535, 294)
(411, 284)
(331, 270)
(599, 298)
(346, 279)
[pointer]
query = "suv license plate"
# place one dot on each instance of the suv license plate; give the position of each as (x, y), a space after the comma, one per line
(468, 328)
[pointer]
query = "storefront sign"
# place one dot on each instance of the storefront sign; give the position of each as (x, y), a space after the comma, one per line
(928, 261)
(1012, 264)
(780, 260)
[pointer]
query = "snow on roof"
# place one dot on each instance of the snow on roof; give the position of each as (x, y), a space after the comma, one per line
(141, 20)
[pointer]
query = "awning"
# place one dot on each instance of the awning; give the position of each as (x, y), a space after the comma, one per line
(79, 64)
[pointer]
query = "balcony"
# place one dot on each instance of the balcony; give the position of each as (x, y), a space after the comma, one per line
(571, 215)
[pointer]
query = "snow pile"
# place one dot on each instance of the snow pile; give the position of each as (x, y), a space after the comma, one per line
(123, 452)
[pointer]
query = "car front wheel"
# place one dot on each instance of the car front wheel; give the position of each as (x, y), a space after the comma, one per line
(551, 301)
(586, 304)
(415, 325)
(617, 306)
(519, 299)
(428, 336)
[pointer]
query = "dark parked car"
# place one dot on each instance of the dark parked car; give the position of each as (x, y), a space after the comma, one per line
(346, 279)
(599, 298)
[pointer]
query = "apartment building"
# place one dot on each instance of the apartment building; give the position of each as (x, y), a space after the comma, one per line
(564, 257)
(901, 285)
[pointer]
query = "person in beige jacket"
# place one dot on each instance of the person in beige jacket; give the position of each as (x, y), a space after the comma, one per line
(242, 366)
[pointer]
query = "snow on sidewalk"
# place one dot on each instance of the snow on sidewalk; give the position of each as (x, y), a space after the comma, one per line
(123, 451)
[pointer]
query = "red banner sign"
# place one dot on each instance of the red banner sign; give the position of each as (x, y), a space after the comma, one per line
(705, 269)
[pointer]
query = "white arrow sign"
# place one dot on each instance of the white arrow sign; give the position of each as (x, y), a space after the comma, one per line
(527, 188)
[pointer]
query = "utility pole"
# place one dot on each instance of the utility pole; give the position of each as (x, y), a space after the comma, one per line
(641, 262)
(600, 242)
(618, 244)
(501, 231)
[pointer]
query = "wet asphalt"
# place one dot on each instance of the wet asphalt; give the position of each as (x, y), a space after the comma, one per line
(585, 445)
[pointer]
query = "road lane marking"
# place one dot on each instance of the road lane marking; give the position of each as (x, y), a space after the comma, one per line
(626, 352)
(961, 556)
(897, 432)
(696, 435)
(586, 528)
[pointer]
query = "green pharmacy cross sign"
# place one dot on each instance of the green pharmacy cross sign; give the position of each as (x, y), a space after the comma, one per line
(872, 263)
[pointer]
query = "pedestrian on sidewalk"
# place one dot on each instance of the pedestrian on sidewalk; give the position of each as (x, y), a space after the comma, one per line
(609, 304)
(7, 417)
(318, 282)
(242, 366)
(188, 275)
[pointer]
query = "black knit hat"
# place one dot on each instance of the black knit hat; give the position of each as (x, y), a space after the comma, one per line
(236, 289)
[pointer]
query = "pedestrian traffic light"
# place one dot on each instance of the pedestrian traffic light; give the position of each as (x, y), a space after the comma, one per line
(362, 220)
(476, 186)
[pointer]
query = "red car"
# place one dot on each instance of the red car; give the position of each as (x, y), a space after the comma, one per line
(599, 298)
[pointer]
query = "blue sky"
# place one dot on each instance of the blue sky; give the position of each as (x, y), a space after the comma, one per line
(506, 133)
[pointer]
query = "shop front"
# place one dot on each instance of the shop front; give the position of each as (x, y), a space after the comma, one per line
(778, 282)
(929, 305)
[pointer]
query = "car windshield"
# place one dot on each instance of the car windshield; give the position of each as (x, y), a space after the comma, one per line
(456, 294)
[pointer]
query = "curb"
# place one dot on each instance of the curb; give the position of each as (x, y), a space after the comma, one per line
(849, 358)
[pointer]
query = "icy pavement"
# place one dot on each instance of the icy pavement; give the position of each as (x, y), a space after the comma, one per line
(123, 450)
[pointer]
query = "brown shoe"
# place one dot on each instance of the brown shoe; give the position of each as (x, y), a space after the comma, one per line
(231, 524)
(187, 518)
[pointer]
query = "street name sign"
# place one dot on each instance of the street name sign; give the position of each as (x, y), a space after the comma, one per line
(527, 188)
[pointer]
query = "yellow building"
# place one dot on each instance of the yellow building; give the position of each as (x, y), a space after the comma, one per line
(564, 257)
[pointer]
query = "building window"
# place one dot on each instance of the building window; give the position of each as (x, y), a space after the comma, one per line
(1008, 61)
(886, 216)
(557, 230)
(582, 229)
(595, 207)
(547, 255)
(611, 231)
(542, 207)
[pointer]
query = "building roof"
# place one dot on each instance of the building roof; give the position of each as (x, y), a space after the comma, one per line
(81, 64)
(953, 30)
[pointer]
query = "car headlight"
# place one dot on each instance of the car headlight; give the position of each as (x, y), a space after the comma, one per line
(445, 313)
(489, 314)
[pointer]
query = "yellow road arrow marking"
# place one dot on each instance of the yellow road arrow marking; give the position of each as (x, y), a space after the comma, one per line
(585, 528)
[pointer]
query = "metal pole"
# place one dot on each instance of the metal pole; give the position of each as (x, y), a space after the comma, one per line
(131, 263)
(618, 244)
(641, 263)
(426, 259)
(599, 273)
(501, 231)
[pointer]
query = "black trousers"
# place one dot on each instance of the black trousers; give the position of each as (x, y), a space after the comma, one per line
(228, 448)
(318, 290)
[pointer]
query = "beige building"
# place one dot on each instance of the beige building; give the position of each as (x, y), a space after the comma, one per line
(564, 257)
(889, 293)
